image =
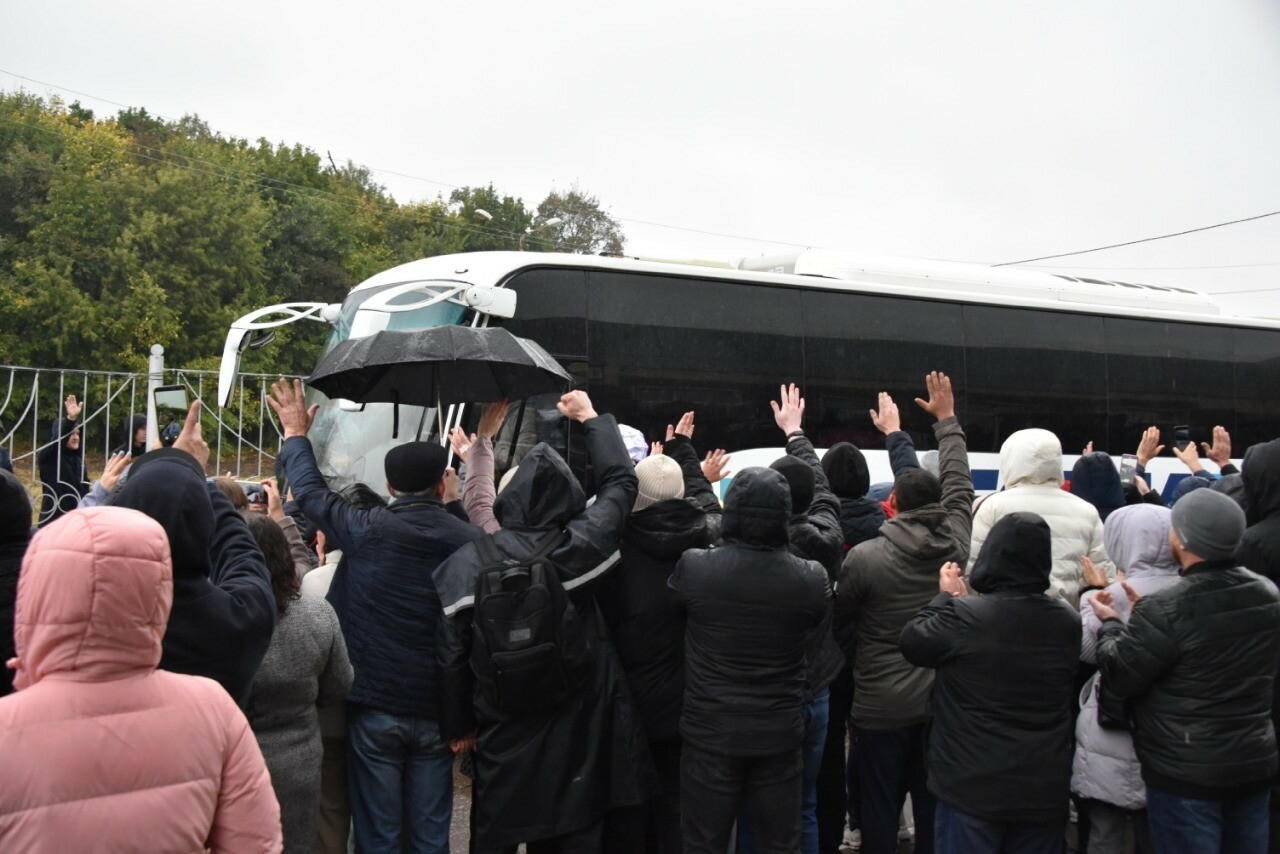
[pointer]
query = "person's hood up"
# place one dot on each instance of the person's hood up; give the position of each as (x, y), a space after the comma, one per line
(93, 598)
(667, 529)
(757, 508)
(132, 426)
(15, 509)
(62, 430)
(924, 533)
(542, 496)
(1031, 457)
(846, 470)
(1137, 540)
(1232, 486)
(1261, 473)
(168, 485)
(1016, 557)
(1095, 479)
(1186, 485)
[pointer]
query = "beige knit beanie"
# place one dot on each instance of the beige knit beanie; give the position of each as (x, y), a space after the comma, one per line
(660, 479)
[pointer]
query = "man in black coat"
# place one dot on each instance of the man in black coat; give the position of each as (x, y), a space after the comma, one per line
(223, 610)
(752, 608)
(647, 628)
(401, 764)
(61, 463)
(1199, 659)
(547, 775)
(1000, 748)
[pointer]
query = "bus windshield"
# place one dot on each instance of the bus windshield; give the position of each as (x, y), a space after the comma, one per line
(351, 441)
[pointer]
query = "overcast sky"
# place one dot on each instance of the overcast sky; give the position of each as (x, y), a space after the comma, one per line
(981, 131)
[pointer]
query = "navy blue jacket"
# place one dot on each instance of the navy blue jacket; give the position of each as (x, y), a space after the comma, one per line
(382, 590)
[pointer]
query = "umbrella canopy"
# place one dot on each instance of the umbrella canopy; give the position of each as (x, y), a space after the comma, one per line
(443, 364)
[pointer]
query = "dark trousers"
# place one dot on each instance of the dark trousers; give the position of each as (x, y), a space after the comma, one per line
(833, 800)
(653, 828)
(1107, 827)
(1178, 824)
(961, 833)
(713, 786)
(891, 763)
(587, 841)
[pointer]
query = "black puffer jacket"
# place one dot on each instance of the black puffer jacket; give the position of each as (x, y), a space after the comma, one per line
(1199, 659)
(752, 608)
(1001, 744)
(223, 610)
(644, 620)
(816, 535)
(15, 533)
(546, 773)
(1260, 548)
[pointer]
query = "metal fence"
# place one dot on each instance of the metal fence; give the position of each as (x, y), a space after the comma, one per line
(243, 437)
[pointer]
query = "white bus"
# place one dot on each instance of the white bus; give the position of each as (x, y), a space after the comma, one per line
(1090, 359)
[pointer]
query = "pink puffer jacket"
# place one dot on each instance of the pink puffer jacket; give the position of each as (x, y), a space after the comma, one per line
(101, 751)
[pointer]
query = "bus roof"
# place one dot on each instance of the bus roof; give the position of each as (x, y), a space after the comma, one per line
(919, 279)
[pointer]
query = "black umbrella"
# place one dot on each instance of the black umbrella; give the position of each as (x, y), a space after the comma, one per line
(443, 364)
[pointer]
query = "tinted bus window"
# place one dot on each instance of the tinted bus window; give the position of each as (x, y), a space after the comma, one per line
(858, 345)
(1257, 404)
(1027, 368)
(1167, 374)
(660, 345)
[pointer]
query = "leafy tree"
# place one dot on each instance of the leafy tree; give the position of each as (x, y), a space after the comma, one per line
(585, 227)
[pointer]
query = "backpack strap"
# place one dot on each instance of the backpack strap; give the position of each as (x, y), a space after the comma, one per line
(491, 554)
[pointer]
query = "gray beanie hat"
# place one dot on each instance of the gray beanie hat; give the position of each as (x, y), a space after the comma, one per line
(660, 479)
(1209, 524)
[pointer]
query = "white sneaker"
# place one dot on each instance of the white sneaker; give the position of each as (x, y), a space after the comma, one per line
(852, 839)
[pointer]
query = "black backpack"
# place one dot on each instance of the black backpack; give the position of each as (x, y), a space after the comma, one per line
(529, 650)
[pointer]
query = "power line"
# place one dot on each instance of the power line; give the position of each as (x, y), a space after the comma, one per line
(1211, 267)
(1142, 240)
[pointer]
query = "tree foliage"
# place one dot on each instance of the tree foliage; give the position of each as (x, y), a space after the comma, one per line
(121, 232)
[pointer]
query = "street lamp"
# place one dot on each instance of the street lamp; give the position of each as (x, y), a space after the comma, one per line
(483, 214)
(555, 220)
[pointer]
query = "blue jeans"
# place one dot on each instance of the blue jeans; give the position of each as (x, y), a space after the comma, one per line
(401, 779)
(1237, 826)
(815, 738)
(956, 832)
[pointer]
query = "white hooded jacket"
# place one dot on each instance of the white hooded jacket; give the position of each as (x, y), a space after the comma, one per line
(1031, 471)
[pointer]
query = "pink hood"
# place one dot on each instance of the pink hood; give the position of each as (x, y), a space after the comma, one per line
(100, 623)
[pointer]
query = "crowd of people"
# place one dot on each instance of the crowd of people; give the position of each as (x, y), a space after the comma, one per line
(644, 669)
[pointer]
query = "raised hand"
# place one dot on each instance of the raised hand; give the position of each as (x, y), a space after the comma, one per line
(1189, 456)
(491, 419)
(1149, 447)
(275, 507)
(951, 579)
(683, 428)
(576, 406)
(1088, 449)
(190, 439)
(452, 486)
(886, 419)
(1220, 451)
(788, 414)
(73, 407)
(716, 465)
(655, 449)
(461, 443)
(942, 400)
(113, 469)
(291, 408)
